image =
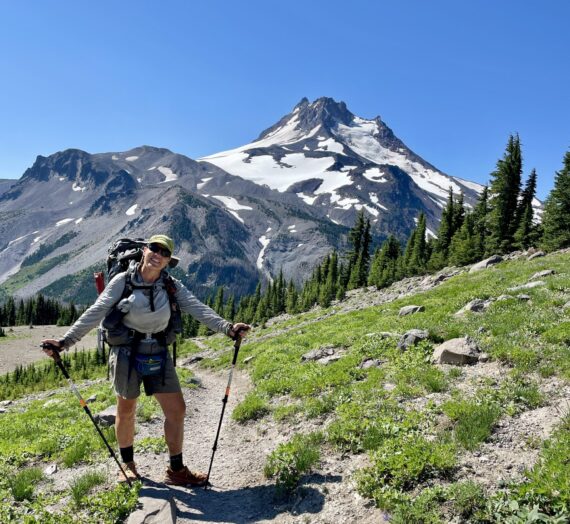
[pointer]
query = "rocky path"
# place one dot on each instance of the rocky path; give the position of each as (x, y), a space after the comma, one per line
(240, 493)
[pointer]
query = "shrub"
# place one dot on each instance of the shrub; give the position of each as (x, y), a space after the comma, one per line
(253, 407)
(402, 463)
(290, 460)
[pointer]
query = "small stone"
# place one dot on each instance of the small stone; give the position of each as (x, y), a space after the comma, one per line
(248, 359)
(523, 298)
(51, 469)
(91, 399)
(410, 310)
(5, 403)
(529, 285)
(484, 357)
(484, 264)
(107, 417)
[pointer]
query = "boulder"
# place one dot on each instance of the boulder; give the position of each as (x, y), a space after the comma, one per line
(528, 285)
(106, 417)
(458, 351)
(523, 297)
(542, 274)
(477, 305)
(412, 337)
(484, 264)
(158, 506)
(536, 255)
(368, 363)
(410, 310)
(317, 354)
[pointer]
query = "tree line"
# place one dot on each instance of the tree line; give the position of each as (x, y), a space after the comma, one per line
(37, 310)
(503, 220)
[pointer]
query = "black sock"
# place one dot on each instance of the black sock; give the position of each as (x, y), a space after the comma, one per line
(127, 454)
(176, 463)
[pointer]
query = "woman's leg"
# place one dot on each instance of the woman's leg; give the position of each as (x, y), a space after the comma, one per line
(125, 421)
(174, 409)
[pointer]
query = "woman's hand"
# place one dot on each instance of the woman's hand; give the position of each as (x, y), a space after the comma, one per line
(240, 329)
(52, 342)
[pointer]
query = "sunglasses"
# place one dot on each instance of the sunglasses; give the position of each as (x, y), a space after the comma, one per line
(157, 248)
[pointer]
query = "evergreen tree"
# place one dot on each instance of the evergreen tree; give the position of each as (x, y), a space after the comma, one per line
(556, 218)
(526, 233)
(503, 198)
(359, 255)
(449, 216)
(480, 216)
(417, 259)
(292, 297)
(385, 267)
(464, 247)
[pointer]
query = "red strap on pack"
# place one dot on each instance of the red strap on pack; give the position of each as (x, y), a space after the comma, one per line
(99, 282)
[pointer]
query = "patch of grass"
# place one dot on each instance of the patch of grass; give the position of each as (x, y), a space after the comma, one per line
(23, 482)
(253, 407)
(76, 452)
(289, 461)
(147, 409)
(400, 464)
(474, 420)
(83, 484)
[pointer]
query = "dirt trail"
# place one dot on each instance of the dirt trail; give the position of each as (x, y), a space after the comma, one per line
(240, 493)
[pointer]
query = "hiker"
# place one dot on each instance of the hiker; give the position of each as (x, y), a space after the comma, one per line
(138, 331)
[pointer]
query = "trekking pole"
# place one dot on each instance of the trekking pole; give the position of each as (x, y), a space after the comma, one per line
(237, 344)
(57, 358)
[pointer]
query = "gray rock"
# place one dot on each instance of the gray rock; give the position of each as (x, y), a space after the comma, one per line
(458, 351)
(410, 310)
(2, 411)
(523, 297)
(536, 255)
(158, 507)
(529, 285)
(248, 359)
(106, 417)
(5, 403)
(542, 274)
(412, 337)
(371, 363)
(317, 354)
(484, 357)
(91, 399)
(476, 305)
(504, 297)
(484, 264)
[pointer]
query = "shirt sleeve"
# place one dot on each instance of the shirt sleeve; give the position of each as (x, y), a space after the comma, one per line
(97, 312)
(201, 312)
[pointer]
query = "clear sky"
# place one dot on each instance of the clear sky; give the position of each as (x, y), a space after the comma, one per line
(452, 78)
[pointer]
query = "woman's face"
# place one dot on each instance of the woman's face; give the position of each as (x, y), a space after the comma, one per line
(154, 257)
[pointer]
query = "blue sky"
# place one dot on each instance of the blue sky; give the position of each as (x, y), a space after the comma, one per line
(452, 78)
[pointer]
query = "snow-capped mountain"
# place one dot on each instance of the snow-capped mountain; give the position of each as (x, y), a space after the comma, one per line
(281, 202)
(341, 163)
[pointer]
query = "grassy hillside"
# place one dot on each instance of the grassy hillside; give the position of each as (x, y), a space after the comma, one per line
(425, 428)
(419, 422)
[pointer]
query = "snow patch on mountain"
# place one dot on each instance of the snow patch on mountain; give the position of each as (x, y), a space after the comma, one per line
(64, 221)
(232, 206)
(264, 241)
(77, 187)
(169, 175)
(131, 210)
(204, 181)
(131, 158)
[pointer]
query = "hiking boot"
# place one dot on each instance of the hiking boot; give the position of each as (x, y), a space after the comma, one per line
(131, 471)
(185, 477)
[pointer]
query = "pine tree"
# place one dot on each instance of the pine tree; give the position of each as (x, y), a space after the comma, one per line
(503, 198)
(464, 247)
(292, 297)
(480, 216)
(385, 268)
(526, 233)
(417, 259)
(556, 218)
(438, 256)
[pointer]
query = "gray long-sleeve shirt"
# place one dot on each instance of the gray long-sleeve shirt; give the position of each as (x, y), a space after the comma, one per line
(140, 316)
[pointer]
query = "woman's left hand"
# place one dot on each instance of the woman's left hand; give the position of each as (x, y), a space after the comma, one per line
(240, 329)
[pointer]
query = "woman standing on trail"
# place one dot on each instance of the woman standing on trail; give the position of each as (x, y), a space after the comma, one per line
(138, 306)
